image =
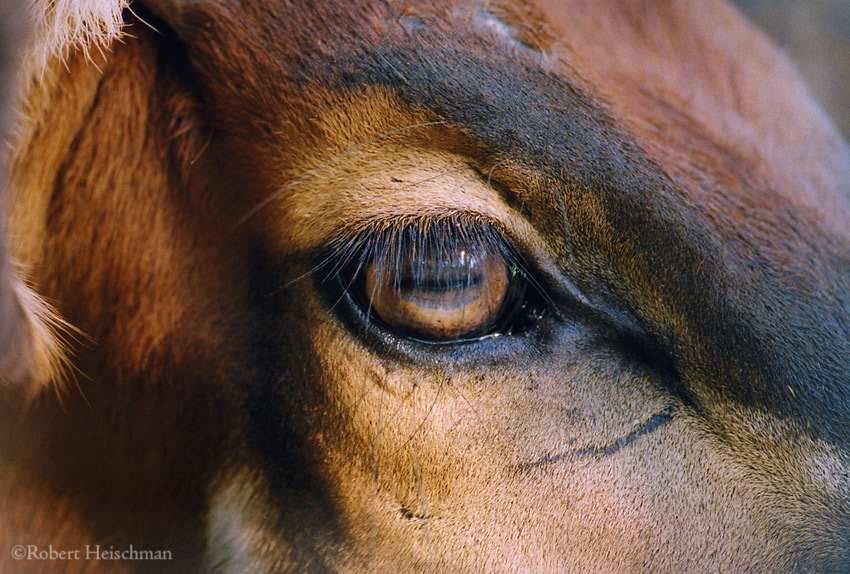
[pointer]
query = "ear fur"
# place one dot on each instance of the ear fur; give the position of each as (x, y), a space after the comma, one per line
(62, 25)
(35, 355)
(31, 353)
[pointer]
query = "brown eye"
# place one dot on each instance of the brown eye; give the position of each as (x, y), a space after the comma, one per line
(448, 295)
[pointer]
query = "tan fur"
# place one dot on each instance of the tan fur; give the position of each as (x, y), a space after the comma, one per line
(396, 179)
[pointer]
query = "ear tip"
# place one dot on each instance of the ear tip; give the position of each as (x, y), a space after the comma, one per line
(32, 353)
(63, 25)
(15, 361)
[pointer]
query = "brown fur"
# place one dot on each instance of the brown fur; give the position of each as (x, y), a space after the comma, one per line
(682, 201)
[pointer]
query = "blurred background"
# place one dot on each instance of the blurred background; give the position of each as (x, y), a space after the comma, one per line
(816, 35)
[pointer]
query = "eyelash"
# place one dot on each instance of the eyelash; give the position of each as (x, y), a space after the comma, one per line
(434, 239)
(388, 239)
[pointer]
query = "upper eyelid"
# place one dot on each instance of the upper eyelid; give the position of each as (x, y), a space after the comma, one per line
(361, 243)
(375, 235)
(432, 186)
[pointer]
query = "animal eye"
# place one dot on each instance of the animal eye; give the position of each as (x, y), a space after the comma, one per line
(436, 281)
(452, 294)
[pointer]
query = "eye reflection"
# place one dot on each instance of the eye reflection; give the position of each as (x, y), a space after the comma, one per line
(450, 294)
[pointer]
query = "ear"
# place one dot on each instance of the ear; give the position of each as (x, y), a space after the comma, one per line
(26, 344)
(61, 25)
(12, 37)
(31, 354)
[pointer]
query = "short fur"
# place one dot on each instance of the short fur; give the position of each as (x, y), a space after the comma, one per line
(677, 398)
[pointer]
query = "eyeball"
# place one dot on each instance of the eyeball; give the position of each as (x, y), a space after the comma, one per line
(448, 295)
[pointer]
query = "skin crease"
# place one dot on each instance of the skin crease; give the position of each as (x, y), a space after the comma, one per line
(675, 197)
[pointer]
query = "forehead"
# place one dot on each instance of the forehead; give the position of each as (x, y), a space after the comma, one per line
(647, 105)
(487, 93)
(663, 71)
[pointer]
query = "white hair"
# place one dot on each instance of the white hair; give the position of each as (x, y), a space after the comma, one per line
(62, 25)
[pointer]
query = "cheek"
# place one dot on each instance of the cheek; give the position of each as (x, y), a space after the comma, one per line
(558, 455)
(465, 444)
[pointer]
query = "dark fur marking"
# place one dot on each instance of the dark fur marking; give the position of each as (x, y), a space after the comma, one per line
(570, 139)
(649, 426)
